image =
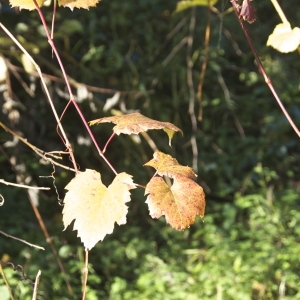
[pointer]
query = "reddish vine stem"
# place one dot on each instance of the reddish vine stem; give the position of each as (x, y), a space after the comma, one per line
(69, 147)
(108, 141)
(261, 67)
(72, 98)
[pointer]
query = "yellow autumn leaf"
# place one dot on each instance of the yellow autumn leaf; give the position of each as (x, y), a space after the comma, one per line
(166, 165)
(26, 4)
(95, 207)
(180, 203)
(284, 39)
(182, 5)
(136, 123)
(78, 3)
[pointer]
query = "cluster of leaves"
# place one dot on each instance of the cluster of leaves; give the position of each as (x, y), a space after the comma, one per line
(248, 245)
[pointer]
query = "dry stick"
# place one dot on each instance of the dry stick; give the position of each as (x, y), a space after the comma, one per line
(170, 35)
(85, 273)
(174, 51)
(24, 186)
(190, 83)
(45, 88)
(204, 66)
(72, 99)
(49, 241)
(280, 12)
(19, 78)
(53, 19)
(230, 103)
(149, 140)
(73, 82)
(261, 67)
(36, 284)
(20, 240)
(6, 282)
(38, 151)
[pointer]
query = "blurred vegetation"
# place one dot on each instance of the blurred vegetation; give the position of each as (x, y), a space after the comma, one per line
(248, 246)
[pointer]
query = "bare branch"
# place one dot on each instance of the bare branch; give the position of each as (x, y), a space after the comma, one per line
(20, 240)
(23, 185)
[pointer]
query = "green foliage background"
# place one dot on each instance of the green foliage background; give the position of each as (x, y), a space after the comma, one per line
(247, 247)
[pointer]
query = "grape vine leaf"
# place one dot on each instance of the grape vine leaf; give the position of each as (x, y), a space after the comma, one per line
(136, 123)
(96, 207)
(26, 4)
(181, 202)
(29, 4)
(78, 3)
(166, 165)
(284, 39)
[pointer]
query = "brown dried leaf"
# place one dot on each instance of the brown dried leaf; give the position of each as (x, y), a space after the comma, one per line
(78, 3)
(96, 207)
(180, 204)
(167, 165)
(136, 123)
(248, 11)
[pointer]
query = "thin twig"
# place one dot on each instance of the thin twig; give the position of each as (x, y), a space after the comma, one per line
(170, 35)
(38, 151)
(108, 141)
(72, 99)
(204, 66)
(230, 104)
(19, 78)
(190, 84)
(262, 69)
(149, 140)
(36, 284)
(6, 282)
(73, 82)
(20, 268)
(280, 12)
(20, 240)
(49, 241)
(23, 185)
(174, 51)
(41, 76)
(85, 273)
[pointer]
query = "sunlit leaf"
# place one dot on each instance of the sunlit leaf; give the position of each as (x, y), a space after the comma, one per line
(180, 203)
(136, 123)
(26, 4)
(182, 5)
(78, 3)
(167, 165)
(284, 38)
(96, 207)
(3, 69)
(27, 64)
